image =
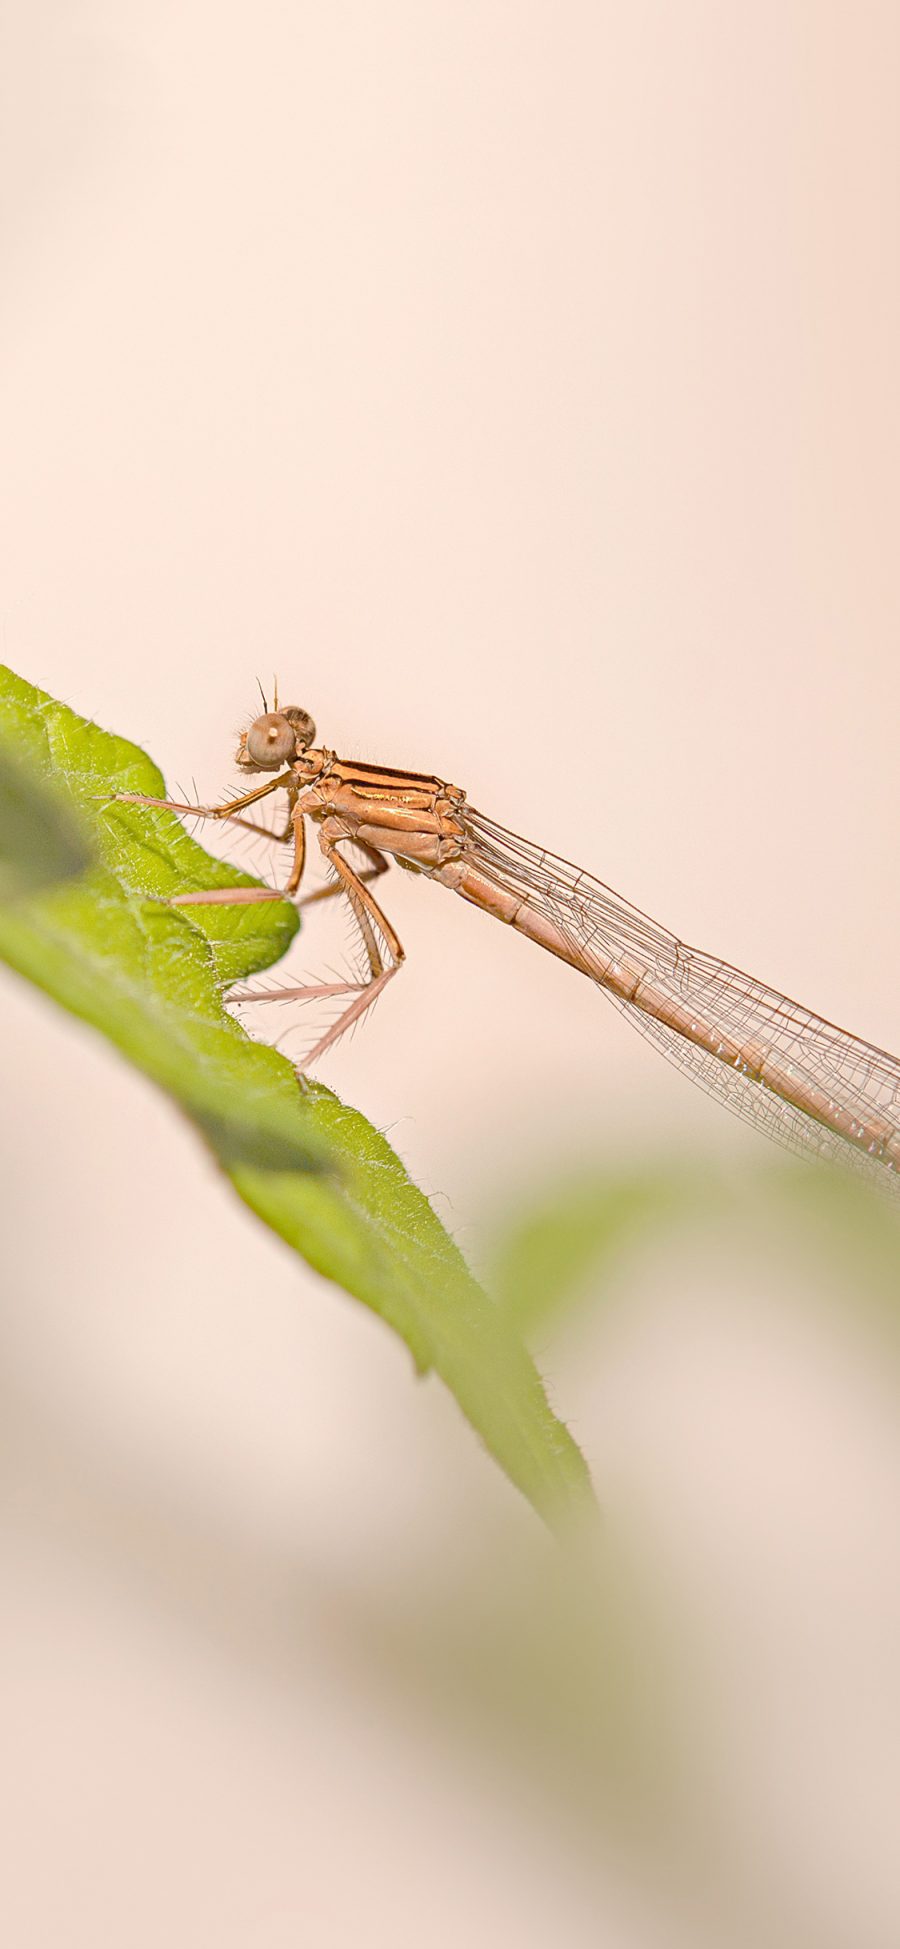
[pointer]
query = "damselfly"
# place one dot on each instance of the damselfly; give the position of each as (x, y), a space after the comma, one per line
(805, 1082)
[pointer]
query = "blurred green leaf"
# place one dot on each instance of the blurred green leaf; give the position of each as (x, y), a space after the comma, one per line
(570, 1236)
(852, 1228)
(563, 1246)
(41, 841)
(150, 977)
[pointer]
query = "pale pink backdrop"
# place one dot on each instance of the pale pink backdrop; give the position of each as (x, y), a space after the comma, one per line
(519, 382)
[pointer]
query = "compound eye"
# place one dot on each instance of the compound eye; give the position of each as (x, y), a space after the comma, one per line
(271, 741)
(304, 728)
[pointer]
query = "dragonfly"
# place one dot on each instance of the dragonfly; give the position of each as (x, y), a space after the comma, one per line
(806, 1083)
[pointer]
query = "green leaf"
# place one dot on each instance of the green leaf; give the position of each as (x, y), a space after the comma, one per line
(107, 946)
(569, 1238)
(41, 841)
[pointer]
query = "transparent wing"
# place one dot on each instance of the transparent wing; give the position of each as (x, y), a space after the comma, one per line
(810, 1054)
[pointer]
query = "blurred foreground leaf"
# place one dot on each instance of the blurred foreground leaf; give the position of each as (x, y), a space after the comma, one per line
(108, 947)
(41, 841)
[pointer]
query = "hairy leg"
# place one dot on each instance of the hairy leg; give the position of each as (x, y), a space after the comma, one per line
(372, 923)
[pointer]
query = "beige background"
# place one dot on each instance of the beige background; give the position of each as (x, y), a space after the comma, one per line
(519, 382)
